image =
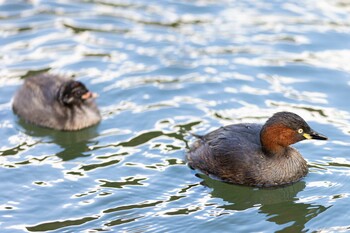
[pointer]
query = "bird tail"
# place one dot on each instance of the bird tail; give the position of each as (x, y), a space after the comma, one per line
(201, 137)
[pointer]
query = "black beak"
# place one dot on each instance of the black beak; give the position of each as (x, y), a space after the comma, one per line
(314, 135)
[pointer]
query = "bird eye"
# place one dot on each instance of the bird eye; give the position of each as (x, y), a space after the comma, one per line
(300, 130)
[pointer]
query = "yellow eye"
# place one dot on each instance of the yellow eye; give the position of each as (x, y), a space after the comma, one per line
(300, 130)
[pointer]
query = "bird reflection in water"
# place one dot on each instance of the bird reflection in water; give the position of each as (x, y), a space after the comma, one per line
(281, 204)
(74, 144)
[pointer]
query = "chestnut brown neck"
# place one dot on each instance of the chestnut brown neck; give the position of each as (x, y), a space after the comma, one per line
(276, 138)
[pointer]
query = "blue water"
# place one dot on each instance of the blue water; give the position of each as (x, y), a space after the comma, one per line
(163, 69)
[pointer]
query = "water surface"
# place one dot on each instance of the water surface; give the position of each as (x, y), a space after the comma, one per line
(163, 69)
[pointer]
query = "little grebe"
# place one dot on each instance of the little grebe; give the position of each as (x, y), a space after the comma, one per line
(56, 102)
(253, 154)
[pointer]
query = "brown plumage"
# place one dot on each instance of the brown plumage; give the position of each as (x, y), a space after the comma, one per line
(56, 102)
(252, 154)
